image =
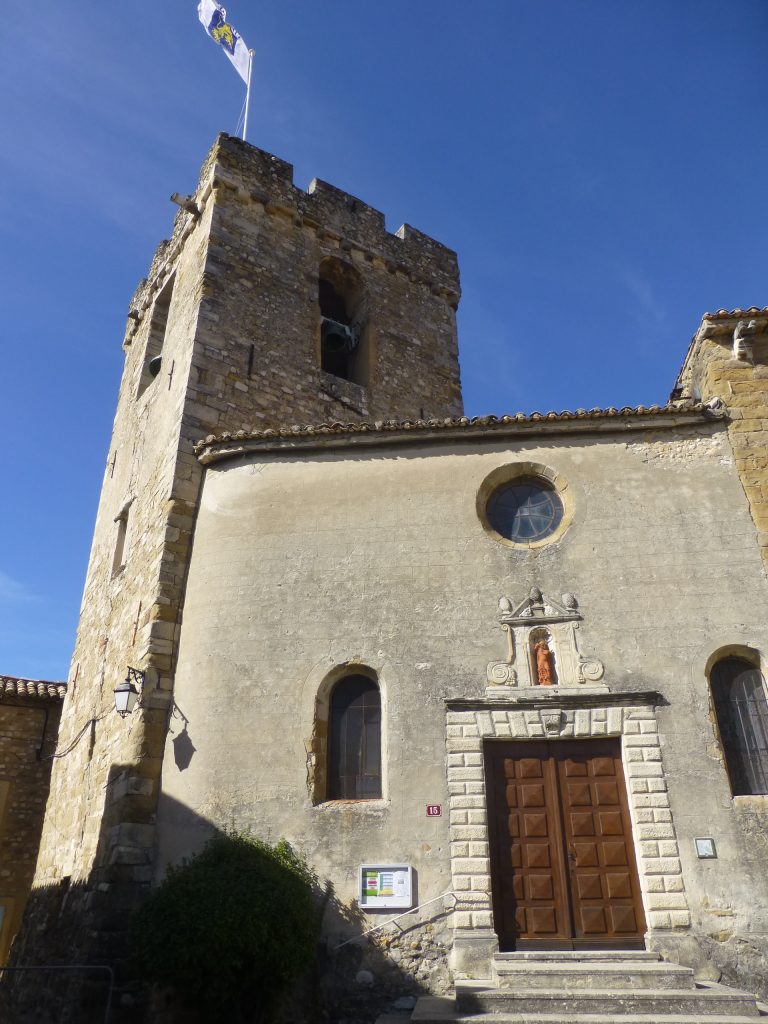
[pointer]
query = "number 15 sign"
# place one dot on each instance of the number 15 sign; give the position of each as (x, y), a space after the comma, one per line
(434, 810)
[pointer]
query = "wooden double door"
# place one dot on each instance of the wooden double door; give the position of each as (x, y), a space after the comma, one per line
(563, 870)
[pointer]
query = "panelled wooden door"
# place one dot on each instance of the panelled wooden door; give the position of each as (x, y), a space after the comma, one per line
(562, 858)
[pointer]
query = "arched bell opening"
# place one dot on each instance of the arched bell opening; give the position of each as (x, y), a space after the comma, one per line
(158, 325)
(343, 322)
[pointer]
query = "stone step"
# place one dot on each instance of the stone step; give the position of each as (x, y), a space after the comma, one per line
(445, 1012)
(701, 1001)
(591, 973)
(568, 955)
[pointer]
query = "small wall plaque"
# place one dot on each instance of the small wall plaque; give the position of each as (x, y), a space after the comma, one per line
(705, 849)
(434, 810)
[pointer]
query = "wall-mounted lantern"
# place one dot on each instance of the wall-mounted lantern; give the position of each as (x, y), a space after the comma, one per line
(128, 693)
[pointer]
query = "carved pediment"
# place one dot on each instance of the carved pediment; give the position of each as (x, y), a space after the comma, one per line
(543, 646)
(537, 607)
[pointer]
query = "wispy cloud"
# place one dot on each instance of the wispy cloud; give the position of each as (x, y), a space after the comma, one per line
(12, 592)
(647, 302)
(494, 380)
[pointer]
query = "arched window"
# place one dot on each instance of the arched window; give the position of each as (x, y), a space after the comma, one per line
(343, 342)
(354, 762)
(738, 693)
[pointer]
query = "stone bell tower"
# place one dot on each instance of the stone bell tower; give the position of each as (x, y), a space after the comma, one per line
(269, 306)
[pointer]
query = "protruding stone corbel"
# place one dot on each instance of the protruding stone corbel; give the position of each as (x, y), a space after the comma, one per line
(716, 408)
(744, 336)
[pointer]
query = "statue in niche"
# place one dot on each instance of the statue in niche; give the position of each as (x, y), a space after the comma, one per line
(545, 669)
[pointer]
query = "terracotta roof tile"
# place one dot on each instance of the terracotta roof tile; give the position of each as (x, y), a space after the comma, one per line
(11, 686)
(479, 423)
(729, 314)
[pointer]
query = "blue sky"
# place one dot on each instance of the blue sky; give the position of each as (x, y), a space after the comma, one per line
(599, 165)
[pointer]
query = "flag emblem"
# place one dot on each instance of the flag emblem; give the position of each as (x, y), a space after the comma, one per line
(223, 32)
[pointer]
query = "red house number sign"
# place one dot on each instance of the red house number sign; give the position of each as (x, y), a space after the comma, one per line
(434, 810)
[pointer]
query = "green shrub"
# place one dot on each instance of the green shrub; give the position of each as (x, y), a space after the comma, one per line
(230, 929)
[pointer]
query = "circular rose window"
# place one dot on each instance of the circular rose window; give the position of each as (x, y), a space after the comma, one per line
(524, 510)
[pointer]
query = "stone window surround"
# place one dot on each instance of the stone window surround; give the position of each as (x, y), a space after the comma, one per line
(748, 652)
(632, 716)
(508, 473)
(322, 680)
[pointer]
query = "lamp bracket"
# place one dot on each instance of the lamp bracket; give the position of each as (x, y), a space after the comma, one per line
(136, 676)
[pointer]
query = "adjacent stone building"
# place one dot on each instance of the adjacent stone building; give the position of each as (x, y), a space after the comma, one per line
(508, 670)
(29, 722)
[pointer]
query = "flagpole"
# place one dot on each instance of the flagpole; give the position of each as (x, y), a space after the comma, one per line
(248, 95)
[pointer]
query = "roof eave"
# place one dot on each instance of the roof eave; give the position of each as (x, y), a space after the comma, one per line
(324, 438)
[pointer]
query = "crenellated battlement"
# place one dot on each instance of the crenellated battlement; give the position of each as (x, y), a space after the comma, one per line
(260, 177)
(260, 267)
(337, 218)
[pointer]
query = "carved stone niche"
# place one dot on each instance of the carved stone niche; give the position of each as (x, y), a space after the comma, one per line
(543, 645)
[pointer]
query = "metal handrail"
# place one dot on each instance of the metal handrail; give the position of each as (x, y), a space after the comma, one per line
(73, 967)
(392, 920)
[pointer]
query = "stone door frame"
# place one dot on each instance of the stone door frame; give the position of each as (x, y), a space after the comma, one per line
(543, 796)
(557, 715)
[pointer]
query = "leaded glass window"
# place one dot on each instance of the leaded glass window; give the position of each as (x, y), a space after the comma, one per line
(525, 510)
(354, 769)
(738, 692)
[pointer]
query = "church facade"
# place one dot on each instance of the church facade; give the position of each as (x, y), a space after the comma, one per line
(506, 672)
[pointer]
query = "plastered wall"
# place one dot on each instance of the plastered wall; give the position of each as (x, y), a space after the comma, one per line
(303, 564)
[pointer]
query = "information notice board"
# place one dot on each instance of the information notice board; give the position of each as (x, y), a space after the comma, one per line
(385, 886)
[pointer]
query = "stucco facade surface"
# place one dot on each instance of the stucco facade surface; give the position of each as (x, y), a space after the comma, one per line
(305, 562)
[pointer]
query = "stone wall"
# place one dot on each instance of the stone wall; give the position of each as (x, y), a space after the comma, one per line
(257, 361)
(29, 724)
(713, 370)
(319, 551)
(719, 366)
(241, 346)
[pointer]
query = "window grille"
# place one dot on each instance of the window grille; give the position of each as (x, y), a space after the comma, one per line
(525, 510)
(738, 692)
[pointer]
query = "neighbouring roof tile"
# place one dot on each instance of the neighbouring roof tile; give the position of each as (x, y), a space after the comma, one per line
(12, 686)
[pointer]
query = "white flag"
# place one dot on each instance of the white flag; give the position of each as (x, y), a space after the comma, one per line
(214, 19)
